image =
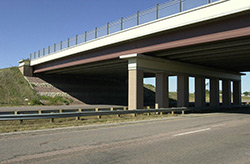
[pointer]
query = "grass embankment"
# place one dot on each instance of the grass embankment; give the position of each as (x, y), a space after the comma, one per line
(14, 126)
(15, 91)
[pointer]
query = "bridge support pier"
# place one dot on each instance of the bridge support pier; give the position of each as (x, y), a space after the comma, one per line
(236, 92)
(162, 94)
(135, 96)
(214, 92)
(138, 64)
(200, 92)
(226, 92)
(182, 91)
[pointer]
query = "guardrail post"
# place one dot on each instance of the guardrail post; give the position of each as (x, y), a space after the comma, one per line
(49, 50)
(60, 110)
(96, 109)
(52, 119)
(43, 51)
(181, 6)
(15, 112)
(54, 47)
(148, 107)
(85, 36)
(39, 112)
(107, 28)
(78, 118)
(96, 32)
(138, 17)
(183, 112)
(76, 39)
(124, 108)
(121, 23)
(61, 45)
(157, 11)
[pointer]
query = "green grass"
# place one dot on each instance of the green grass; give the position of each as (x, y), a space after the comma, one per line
(57, 100)
(14, 89)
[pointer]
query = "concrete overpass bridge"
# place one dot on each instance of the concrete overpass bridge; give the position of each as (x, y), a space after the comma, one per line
(210, 40)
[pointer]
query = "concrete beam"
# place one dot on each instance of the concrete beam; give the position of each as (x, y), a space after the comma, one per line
(135, 92)
(182, 91)
(214, 92)
(237, 92)
(153, 64)
(226, 92)
(200, 94)
(162, 94)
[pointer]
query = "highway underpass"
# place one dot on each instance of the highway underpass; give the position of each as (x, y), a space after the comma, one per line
(211, 41)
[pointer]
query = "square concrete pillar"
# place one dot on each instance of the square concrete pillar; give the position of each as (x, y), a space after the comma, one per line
(237, 92)
(161, 96)
(214, 92)
(182, 91)
(226, 92)
(135, 92)
(200, 93)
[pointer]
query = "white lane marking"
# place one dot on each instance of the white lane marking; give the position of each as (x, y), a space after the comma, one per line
(215, 126)
(191, 132)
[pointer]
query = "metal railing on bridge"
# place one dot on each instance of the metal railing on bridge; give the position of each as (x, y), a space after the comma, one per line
(159, 11)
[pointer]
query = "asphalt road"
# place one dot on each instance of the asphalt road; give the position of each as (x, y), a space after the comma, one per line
(218, 138)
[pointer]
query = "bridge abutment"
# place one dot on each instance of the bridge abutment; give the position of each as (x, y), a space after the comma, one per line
(25, 68)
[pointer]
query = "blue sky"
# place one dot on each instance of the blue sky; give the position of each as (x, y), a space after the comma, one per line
(29, 25)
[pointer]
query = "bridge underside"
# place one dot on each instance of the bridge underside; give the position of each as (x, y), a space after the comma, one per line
(218, 50)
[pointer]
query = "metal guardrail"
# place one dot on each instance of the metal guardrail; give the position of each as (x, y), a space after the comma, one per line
(159, 11)
(112, 111)
(86, 113)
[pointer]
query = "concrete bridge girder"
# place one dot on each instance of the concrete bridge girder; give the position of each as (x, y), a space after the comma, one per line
(138, 64)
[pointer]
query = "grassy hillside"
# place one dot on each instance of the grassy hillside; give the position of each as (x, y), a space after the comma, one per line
(14, 89)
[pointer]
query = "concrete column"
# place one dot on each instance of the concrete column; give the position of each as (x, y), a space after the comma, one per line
(135, 93)
(161, 97)
(182, 91)
(237, 92)
(200, 92)
(214, 92)
(226, 92)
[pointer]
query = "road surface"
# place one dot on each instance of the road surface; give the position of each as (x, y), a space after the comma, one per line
(217, 138)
